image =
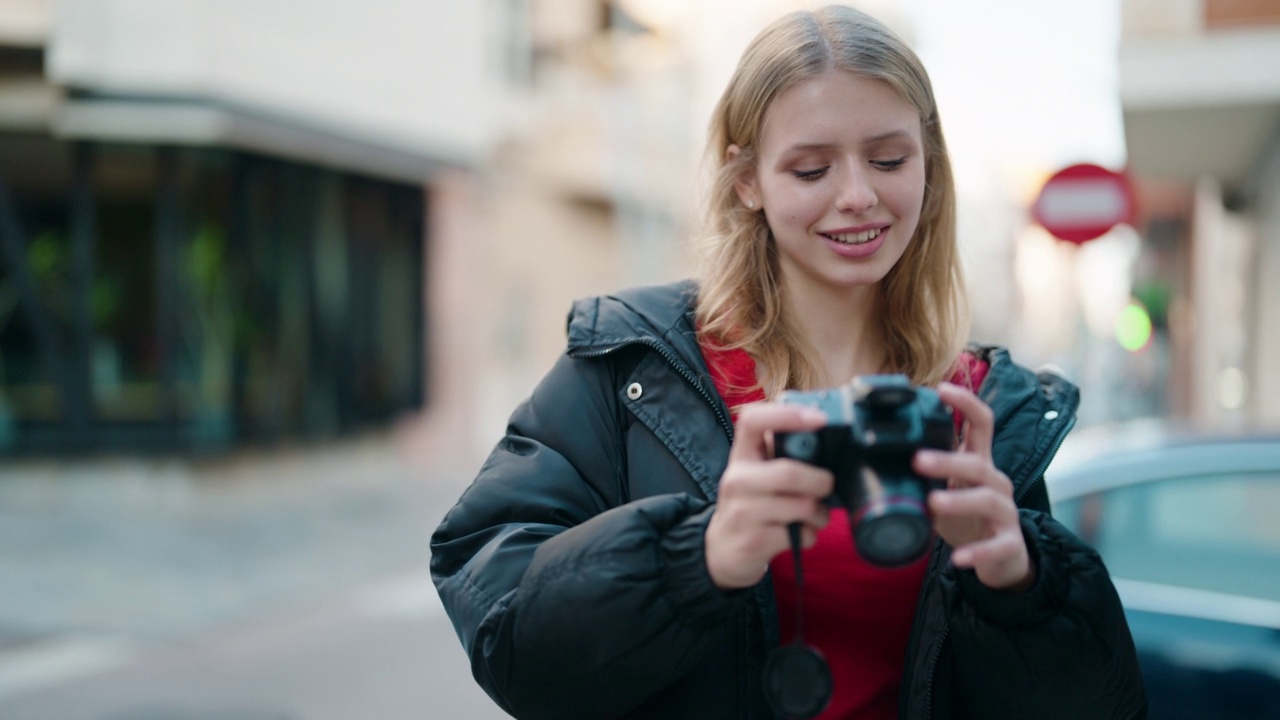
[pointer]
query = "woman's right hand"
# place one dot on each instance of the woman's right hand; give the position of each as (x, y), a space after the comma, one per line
(761, 495)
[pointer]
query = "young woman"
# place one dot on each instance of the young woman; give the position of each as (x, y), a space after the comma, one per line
(623, 552)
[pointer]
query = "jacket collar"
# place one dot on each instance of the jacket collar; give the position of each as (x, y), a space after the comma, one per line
(655, 314)
(1034, 411)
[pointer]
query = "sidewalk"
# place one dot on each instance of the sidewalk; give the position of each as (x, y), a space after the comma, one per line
(101, 559)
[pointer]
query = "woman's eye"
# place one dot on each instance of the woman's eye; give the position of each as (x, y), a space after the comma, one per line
(889, 164)
(809, 175)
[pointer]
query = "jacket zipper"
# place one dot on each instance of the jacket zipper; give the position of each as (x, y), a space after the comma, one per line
(921, 612)
(676, 364)
(929, 671)
(744, 640)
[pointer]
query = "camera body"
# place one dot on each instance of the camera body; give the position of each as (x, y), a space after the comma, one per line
(875, 424)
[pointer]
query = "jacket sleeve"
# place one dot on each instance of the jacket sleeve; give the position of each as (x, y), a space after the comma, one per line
(569, 607)
(1061, 649)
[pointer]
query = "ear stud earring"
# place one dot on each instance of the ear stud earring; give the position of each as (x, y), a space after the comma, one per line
(751, 204)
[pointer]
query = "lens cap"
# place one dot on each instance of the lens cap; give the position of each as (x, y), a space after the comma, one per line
(893, 539)
(797, 682)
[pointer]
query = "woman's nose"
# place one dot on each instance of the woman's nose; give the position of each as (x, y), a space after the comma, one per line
(857, 194)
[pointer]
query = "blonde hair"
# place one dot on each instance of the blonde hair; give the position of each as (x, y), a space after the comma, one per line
(925, 315)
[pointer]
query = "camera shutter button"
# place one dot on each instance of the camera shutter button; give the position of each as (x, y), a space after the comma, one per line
(634, 391)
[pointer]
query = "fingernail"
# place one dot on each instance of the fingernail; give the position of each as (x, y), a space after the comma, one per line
(927, 458)
(813, 415)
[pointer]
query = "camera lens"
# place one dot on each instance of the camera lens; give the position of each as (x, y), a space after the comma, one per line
(896, 536)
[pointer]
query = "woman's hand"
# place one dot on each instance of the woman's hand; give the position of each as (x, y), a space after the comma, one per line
(976, 514)
(760, 495)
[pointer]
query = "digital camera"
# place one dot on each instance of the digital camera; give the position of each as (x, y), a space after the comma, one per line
(874, 426)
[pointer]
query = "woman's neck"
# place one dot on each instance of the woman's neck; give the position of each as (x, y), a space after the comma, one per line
(842, 328)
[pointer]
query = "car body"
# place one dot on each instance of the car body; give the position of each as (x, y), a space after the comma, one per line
(1189, 528)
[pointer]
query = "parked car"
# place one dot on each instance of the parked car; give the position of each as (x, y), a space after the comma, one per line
(1189, 528)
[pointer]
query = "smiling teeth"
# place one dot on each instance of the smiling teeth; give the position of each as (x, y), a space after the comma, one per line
(865, 236)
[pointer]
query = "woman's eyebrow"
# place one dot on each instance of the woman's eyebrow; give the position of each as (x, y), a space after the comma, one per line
(808, 147)
(874, 139)
(891, 135)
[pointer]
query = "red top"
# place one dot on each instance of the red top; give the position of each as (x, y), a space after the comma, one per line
(856, 614)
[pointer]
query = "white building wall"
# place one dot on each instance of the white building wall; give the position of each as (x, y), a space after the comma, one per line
(419, 74)
(25, 22)
(1222, 246)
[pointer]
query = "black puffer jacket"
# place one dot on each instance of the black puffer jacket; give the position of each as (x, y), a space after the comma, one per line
(573, 567)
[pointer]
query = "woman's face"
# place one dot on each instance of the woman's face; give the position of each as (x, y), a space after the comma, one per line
(840, 175)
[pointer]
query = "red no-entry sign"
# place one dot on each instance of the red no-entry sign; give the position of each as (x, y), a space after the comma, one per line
(1082, 202)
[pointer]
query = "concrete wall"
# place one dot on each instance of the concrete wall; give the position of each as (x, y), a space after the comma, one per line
(423, 74)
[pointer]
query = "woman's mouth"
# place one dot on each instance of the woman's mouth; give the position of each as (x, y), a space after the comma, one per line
(860, 238)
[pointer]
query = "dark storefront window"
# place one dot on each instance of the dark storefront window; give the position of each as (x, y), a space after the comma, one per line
(123, 356)
(37, 263)
(189, 298)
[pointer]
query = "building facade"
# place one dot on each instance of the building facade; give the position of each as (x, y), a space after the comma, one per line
(1201, 102)
(217, 218)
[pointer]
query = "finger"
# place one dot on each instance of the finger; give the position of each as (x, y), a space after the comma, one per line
(783, 511)
(756, 420)
(794, 477)
(776, 539)
(979, 419)
(967, 468)
(777, 477)
(978, 502)
(757, 509)
(808, 538)
(1000, 550)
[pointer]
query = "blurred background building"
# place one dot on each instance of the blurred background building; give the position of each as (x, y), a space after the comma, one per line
(215, 216)
(234, 222)
(1201, 98)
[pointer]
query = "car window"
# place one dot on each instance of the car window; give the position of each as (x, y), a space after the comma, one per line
(1219, 533)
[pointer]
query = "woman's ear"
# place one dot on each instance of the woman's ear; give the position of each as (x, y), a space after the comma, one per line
(745, 185)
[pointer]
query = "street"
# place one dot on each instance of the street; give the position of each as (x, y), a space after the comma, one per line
(282, 585)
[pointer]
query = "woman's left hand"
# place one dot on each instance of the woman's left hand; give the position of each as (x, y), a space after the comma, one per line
(976, 514)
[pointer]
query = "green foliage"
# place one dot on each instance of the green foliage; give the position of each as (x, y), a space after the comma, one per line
(49, 262)
(1156, 296)
(47, 257)
(206, 261)
(104, 301)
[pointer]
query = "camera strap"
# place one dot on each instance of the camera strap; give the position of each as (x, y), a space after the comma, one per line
(797, 679)
(793, 534)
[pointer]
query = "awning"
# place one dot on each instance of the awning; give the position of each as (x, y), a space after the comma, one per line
(1201, 105)
(198, 122)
